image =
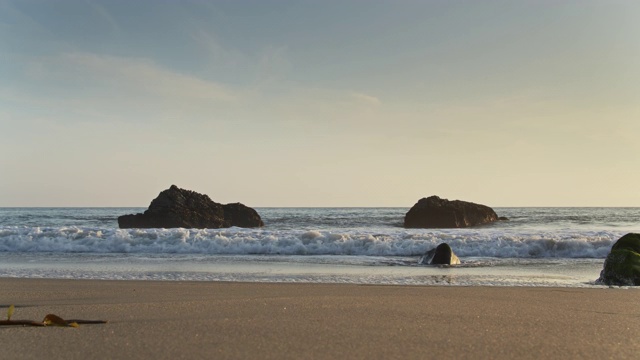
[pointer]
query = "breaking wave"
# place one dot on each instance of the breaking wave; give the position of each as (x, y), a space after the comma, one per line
(500, 243)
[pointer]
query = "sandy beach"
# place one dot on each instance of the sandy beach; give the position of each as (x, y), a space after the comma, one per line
(168, 320)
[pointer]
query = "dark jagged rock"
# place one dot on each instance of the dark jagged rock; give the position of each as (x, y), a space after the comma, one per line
(434, 212)
(242, 216)
(177, 207)
(440, 255)
(622, 265)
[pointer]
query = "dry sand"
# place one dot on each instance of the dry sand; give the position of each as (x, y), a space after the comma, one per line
(217, 320)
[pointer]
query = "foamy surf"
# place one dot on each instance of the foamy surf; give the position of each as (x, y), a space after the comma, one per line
(236, 241)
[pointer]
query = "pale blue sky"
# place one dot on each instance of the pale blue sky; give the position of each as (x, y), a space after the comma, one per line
(320, 103)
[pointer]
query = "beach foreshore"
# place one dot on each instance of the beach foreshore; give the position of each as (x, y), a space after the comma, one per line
(220, 320)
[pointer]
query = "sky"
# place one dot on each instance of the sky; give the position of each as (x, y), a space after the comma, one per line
(320, 103)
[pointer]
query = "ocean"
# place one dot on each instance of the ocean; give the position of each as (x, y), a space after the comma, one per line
(536, 247)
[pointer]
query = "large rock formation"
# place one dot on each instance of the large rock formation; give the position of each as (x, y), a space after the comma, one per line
(440, 255)
(434, 212)
(622, 265)
(177, 207)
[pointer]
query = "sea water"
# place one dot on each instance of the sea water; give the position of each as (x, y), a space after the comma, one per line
(535, 247)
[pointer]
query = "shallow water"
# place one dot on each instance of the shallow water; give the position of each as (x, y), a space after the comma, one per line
(313, 269)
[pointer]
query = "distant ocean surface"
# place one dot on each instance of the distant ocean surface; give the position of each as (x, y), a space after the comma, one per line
(536, 247)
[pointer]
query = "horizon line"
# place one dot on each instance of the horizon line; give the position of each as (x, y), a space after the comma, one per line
(317, 207)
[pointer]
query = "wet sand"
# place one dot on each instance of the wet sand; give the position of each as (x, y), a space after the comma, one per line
(191, 320)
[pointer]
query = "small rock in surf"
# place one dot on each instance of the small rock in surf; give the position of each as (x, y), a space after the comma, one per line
(440, 255)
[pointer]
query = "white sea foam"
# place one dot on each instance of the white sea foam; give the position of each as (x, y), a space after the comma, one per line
(499, 243)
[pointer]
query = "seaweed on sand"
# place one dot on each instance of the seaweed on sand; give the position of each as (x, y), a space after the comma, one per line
(49, 320)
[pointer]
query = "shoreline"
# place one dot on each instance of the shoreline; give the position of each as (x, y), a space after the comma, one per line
(169, 319)
(303, 269)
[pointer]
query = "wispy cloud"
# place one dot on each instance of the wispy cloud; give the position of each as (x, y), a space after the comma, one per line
(91, 87)
(365, 98)
(104, 15)
(215, 54)
(145, 76)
